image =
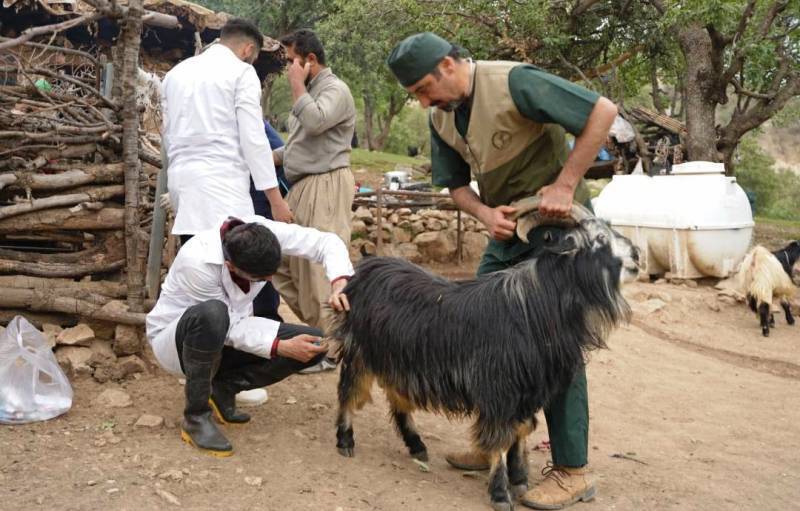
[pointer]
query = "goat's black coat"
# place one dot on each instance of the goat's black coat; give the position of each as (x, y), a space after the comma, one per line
(788, 256)
(500, 346)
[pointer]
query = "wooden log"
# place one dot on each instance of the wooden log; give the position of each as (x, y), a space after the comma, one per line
(77, 176)
(101, 287)
(102, 258)
(93, 194)
(153, 275)
(135, 239)
(38, 300)
(38, 319)
(108, 218)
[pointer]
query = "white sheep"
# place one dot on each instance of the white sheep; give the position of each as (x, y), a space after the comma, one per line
(762, 278)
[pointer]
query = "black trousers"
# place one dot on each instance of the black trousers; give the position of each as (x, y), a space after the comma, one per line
(266, 302)
(204, 327)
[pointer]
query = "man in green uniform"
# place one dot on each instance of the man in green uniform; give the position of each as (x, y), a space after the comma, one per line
(504, 123)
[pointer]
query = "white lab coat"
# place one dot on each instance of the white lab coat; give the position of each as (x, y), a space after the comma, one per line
(199, 274)
(214, 137)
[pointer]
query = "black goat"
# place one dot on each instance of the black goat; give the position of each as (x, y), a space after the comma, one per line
(497, 348)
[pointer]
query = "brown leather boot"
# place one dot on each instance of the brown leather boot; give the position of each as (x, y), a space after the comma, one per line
(561, 487)
(470, 460)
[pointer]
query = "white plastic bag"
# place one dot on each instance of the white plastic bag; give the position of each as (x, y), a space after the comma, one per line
(32, 385)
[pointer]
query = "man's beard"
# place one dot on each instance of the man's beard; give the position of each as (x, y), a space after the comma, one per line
(450, 105)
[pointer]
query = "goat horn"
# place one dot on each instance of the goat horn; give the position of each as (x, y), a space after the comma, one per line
(528, 217)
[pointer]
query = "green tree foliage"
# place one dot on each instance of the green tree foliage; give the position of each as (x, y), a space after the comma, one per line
(776, 193)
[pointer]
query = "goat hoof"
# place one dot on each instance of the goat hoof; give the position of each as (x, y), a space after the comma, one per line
(421, 455)
(347, 452)
(765, 332)
(518, 490)
(502, 506)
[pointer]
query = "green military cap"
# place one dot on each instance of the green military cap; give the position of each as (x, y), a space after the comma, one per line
(417, 55)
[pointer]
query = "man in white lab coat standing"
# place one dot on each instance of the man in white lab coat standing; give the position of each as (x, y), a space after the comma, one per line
(213, 134)
(203, 325)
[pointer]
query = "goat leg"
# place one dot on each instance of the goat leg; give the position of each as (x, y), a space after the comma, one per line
(788, 311)
(518, 467)
(345, 442)
(404, 422)
(498, 482)
(764, 314)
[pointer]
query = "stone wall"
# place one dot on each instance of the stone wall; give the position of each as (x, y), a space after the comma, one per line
(422, 236)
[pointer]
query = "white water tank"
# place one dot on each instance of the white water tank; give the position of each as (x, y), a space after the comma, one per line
(695, 222)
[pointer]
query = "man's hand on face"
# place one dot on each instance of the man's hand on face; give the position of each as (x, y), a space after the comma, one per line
(556, 200)
(498, 224)
(338, 300)
(300, 348)
(298, 73)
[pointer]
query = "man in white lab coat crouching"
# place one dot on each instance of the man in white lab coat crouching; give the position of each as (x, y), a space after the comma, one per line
(203, 325)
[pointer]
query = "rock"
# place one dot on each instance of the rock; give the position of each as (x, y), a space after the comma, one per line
(102, 354)
(691, 283)
(436, 246)
(731, 293)
(434, 224)
(253, 481)
(80, 335)
(171, 475)
(663, 296)
(114, 398)
(404, 224)
(394, 218)
(172, 499)
(414, 217)
(728, 300)
(358, 228)
(403, 211)
(51, 333)
(149, 421)
(131, 365)
(365, 215)
(654, 305)
(400, 235)
(291, 401)
(114, 307)
(76, 358)
(369, 248)
(474, 245)
(409, 252)
(713, 305)
(661, 281)
(417, 227)
(127, 340)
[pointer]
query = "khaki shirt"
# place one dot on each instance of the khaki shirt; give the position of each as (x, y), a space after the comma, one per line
(321, 128)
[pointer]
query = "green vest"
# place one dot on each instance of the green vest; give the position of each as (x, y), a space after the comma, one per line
(509, 155)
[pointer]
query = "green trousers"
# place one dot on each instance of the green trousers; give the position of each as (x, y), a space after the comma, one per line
(568, 414)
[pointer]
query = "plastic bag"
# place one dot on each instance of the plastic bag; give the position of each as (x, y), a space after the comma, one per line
(32, 385)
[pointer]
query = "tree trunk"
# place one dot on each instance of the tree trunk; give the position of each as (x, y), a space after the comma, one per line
(80, 175)
(107, 288)
(39, 300)
(104, 257)
(93, 194)
(368, 119)
(64, 219)
(700, 108)
(130, 40)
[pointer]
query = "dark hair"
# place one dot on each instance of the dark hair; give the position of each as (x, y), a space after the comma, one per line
(456, 53)
(253, 249)
(238, 27)
(305, 41)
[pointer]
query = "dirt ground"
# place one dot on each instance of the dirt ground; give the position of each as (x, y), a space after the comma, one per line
(691, 408)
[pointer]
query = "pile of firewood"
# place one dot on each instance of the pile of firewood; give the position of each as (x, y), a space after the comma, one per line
(62, 192)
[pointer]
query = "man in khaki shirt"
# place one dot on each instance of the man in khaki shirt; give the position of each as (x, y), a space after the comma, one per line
(316, 160)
